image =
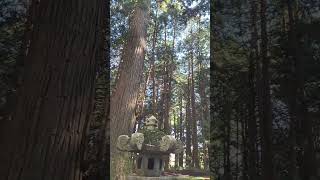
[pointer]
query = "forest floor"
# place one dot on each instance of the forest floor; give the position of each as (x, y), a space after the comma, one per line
(170, 177)
(195, 173)
(179, 175)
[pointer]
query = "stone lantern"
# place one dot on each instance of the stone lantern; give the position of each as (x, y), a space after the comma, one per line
(152, 146)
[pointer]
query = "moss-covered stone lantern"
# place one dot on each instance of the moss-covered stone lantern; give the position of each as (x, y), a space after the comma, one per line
(152, 146)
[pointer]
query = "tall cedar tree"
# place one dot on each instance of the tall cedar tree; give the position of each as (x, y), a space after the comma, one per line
(195, 152)
(188, 123)
(123, 99)
(44, 138)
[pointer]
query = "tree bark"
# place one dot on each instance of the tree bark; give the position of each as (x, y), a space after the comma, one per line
(265, 99)
(244, 135)
(154, 42)
(166, 92)
(292, 94)
(167, 86)
(188, 126)
(123, 100)
(176, 157)
(150, 76)
(55, 101)
(181, 132)
(195, 152)
(252, 124)
(227, 133)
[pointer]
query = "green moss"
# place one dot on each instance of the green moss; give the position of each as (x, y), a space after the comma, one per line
(152, 136)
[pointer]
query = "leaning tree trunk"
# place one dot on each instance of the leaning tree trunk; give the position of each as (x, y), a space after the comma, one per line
(123, 100)
(44, 138)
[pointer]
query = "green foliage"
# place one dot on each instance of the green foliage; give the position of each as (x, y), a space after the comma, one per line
(12, 22)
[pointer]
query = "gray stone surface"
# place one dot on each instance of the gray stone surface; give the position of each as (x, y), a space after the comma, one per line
(148, 170)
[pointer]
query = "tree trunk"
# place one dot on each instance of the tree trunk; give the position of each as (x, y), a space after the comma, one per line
(292, 94)
(204, 110)
(176, 157)
(227, 135)
(265, 99)
(188, 127)
(154, 42)
(55, 101)
(166, 92)
(309, 163)
(195, 152)
(181, 132)
(150, 76)
(123, 100)
(244, 135)
(167, 86)
(252, 125)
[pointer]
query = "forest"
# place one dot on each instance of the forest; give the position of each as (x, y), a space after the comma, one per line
(265, 90)
(181, 89)
(168, 79)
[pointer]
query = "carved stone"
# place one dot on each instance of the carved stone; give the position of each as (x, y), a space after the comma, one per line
(167, 142)
(152, 145)
(136, 140)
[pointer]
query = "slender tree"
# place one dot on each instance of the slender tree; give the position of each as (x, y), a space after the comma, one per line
(188, 125)
(293, 93)
(252, 125)
(181, 130)
(265, 99)
(195, 151)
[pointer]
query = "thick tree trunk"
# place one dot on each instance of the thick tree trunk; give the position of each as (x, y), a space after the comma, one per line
(97, 167)
(123, 100)
(55, 101)
(150, 76)
(96, 144)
